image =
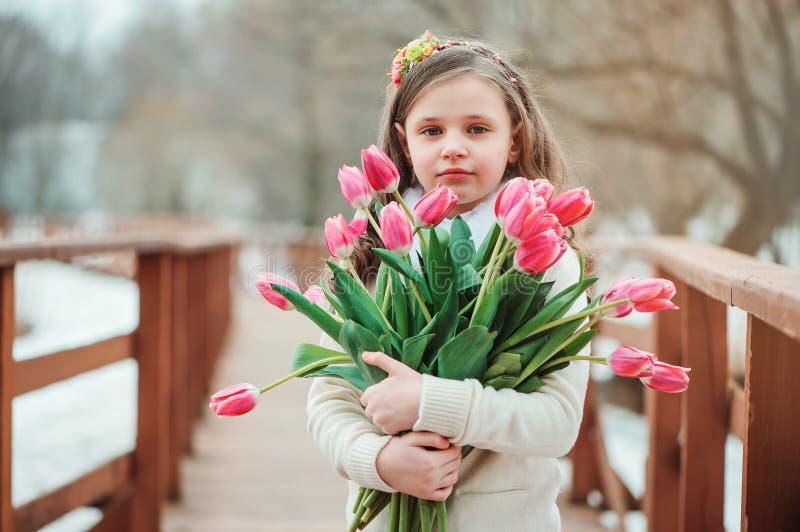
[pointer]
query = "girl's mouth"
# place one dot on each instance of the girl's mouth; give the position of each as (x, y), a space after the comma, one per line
(454, 174)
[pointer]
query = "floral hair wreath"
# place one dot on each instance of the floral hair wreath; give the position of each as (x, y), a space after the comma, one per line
(424, 47)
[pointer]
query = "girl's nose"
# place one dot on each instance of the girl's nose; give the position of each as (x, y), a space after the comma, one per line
(454, 150)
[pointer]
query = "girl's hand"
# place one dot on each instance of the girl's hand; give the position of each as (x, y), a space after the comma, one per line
(393, 403)
(422, 464)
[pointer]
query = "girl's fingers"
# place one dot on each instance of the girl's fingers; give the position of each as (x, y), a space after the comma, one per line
(449, 479)
(428, 439)
(441, 494)
(452, 464)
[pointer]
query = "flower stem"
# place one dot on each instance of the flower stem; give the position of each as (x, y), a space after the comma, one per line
(557, 361)
(415, 288)
(355, 273)
(582, 314)
(410, 214)
(489, 273)
(314, 365)
(373, 222)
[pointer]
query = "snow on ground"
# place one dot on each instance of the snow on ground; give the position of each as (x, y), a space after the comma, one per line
(67, 429)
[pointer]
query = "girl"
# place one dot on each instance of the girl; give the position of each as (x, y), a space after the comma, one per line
(463, 117)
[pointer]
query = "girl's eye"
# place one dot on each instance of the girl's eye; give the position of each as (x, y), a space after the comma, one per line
(478, 129)
(430, 131)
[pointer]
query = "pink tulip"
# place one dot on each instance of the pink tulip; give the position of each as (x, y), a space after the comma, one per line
(617, 292)
(510, 195)
(355, 187)
(667, 378)
(543, 188)
(523, 219)
(235, 400)
(358, 225)
(652, 295)
(627, 361)
(549, 221)
(339, 237)
(264, 283)
(540, 252)
(381, 172)
(572, 206)
(316, 295)
(396, 229)
(434, 206)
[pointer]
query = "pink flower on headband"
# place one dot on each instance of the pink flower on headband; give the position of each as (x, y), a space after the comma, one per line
(414, 52)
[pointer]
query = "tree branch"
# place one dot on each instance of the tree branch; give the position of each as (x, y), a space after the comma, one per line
(683, 142)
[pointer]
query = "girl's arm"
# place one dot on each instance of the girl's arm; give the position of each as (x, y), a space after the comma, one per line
(544, 423)
(337, 423)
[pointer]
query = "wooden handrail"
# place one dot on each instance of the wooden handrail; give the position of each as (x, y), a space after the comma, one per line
(176, 345)
(685, 470)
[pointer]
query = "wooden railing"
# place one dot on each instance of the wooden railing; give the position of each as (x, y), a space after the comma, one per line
(685, 469)
(183, 272)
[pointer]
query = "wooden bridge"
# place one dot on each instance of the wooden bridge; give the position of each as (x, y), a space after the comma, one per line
(191, 471)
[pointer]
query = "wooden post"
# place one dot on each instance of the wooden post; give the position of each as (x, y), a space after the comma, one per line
(664, 415)
(771, 464)
(7, 331)
(152, 438)
(196, 317)
(704, 426)
(180, 425)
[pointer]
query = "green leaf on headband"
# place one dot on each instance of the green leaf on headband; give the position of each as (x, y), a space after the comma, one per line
(356, 339)
(464, 357)
(314, 312)
(462, 248)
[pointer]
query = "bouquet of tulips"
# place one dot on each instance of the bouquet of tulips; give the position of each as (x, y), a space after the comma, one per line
(460, 311)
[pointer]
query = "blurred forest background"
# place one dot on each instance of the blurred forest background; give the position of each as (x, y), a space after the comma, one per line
(682, 117)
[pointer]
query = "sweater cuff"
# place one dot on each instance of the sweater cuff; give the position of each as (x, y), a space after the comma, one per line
(444, 406)
(361, 462)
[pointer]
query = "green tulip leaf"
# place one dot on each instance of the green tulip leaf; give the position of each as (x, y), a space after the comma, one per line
(464, 357)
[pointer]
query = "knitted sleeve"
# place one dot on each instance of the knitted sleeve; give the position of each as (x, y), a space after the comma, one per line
(544, 423)
(339, 427)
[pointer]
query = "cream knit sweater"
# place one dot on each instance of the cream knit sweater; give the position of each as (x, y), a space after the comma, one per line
(511, 480)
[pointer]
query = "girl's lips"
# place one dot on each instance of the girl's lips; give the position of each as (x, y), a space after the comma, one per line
(454, 175)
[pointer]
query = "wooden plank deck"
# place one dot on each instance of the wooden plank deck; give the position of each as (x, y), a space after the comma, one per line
(261, 472)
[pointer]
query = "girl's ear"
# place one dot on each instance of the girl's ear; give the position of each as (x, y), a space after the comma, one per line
(516, 144)
(401, 136)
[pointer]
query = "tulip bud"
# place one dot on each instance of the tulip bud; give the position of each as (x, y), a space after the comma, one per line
(339, 237)
(652, 295)
(510, 195)
(539, 253)
(398, 235)
(549, 221)
(543, 188)
(667, 378)
(358, 225)
(264, 283)
(617, 292)
(235, 400)
(572, 206)
(355, 187)
(627, 361)
(315, 294)
(381, 172)
(523, 219)
(434, 206)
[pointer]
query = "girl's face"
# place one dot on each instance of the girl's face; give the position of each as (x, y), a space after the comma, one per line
(459, 133)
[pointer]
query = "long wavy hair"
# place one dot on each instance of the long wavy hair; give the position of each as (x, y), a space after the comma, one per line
(540, 153)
